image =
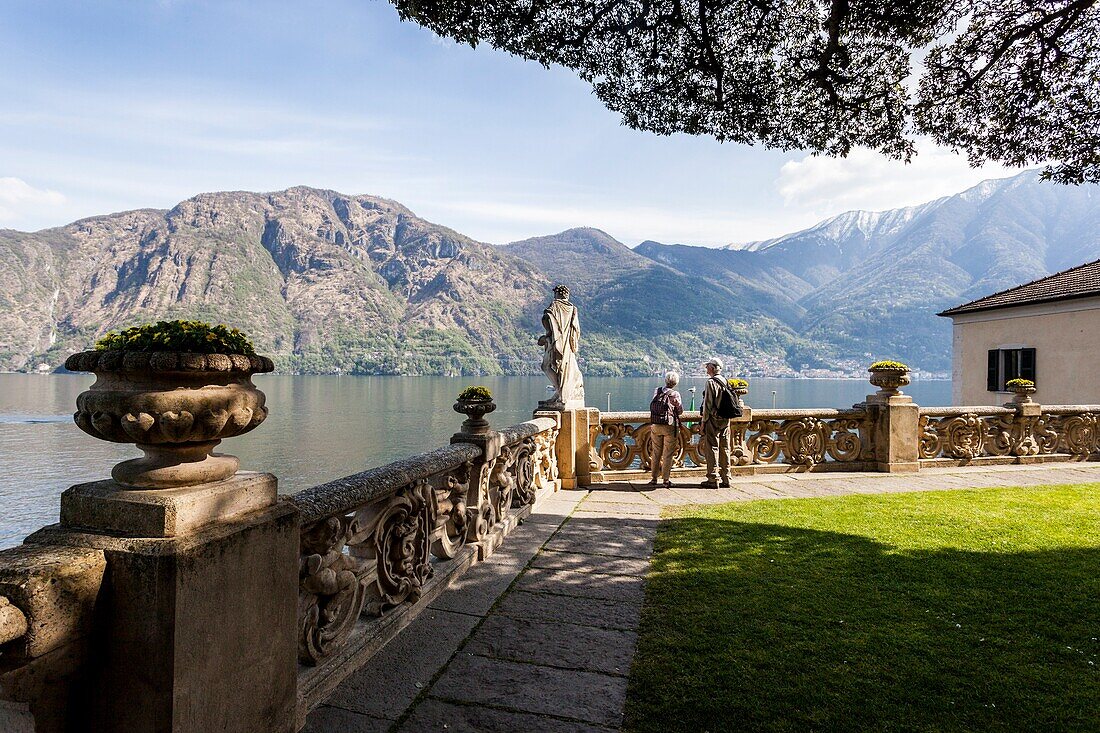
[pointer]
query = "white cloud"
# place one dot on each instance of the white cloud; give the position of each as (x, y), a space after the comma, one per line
(19, 199)
(866, 180)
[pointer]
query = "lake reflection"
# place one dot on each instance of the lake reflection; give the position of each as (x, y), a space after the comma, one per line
(320, 428)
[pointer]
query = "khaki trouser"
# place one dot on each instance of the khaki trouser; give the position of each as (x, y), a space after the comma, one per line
(663, 441)
(715, 447)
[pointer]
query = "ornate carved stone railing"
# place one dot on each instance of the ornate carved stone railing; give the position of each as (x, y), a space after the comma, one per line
(806, 438)
(528, 462)
(1027, 431)
(367, 541)
(371, 543)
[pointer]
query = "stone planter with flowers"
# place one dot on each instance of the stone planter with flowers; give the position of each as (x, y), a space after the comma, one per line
(889, 377)
(175, 389)
(475, 403)
(739, 386)
(1023, 389)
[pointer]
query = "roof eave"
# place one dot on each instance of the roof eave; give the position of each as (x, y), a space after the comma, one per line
(964, 309)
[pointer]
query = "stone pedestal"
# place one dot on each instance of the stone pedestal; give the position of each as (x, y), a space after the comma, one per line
(107, 506)
(195, 632)
(896, 432)
(574, 446)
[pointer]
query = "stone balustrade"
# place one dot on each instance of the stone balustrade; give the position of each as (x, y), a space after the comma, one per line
(761, 441)
(1022, 432)
(823, 439)
(376, 547)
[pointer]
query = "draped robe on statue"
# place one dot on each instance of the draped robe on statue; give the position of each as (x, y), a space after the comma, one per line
(560, 360)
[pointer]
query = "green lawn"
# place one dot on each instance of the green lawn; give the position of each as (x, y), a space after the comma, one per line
(936, 611)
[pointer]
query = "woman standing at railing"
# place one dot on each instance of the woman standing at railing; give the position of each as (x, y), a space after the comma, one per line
(664, 428)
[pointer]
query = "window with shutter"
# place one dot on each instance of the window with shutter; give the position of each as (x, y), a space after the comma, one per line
(1005, 364)
(1027, 364)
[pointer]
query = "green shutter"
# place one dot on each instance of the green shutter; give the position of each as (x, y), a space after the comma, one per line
(992, 383)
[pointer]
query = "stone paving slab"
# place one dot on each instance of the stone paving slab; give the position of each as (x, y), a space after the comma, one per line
(438, 716)
(387, 684)
(566, 693)
(554, 644)
(558, 507)
(632, 542)
(620, 494)
(599, 505)
(602, 564)
(582, 611)
(625, 588)
(480, 586)
(666, 497)
(616, 515)
(329, 719)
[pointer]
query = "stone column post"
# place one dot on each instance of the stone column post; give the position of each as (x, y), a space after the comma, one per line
(895, 433)
(475, 430)
(575, 447)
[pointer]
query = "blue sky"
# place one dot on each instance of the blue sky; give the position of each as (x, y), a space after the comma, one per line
(110, 106)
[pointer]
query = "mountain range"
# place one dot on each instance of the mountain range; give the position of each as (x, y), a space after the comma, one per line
(330, 283)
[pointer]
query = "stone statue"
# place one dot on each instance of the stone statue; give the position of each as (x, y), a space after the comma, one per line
(563, 332)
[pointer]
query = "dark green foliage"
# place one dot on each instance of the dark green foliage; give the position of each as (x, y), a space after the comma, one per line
(1014, 82)
(195, 337)
(475, 393)
(933, 611)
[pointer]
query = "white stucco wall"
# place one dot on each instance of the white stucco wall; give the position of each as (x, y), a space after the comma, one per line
(1066, 339)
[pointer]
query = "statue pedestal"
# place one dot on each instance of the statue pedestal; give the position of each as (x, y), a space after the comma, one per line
(574, 445)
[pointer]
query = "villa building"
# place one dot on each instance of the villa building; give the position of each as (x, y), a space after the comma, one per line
(1047, 331)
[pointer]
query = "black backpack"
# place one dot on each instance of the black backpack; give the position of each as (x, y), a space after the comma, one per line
(728, 405)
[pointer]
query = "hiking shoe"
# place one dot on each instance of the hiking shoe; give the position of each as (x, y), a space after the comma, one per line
(652, 482)
(724, 484)
(668, 484)
(709, 485)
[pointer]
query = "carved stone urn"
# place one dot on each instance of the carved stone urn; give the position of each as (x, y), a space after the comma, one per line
(175, 406)
(889, 380)
(1023, 389)
(475, 410)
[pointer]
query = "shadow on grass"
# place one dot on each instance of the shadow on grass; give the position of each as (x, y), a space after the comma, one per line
(760, 627)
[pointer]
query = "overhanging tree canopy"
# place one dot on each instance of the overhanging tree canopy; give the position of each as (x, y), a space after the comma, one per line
(1015, 81)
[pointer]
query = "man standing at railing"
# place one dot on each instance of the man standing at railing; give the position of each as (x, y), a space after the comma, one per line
(714, 433)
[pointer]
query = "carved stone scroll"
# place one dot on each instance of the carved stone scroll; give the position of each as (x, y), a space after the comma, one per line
(800, 438)
(972, 433)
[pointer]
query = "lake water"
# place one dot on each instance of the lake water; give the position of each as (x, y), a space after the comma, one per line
(320, 428)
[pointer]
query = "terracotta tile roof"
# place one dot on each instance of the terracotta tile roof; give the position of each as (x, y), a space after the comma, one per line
(1076, 282)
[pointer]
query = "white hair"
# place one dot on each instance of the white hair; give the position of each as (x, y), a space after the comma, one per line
(672, 379)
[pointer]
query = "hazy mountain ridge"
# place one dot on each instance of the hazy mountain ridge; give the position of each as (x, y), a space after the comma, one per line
(333, 283)
(879, 278)
(325, 282)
